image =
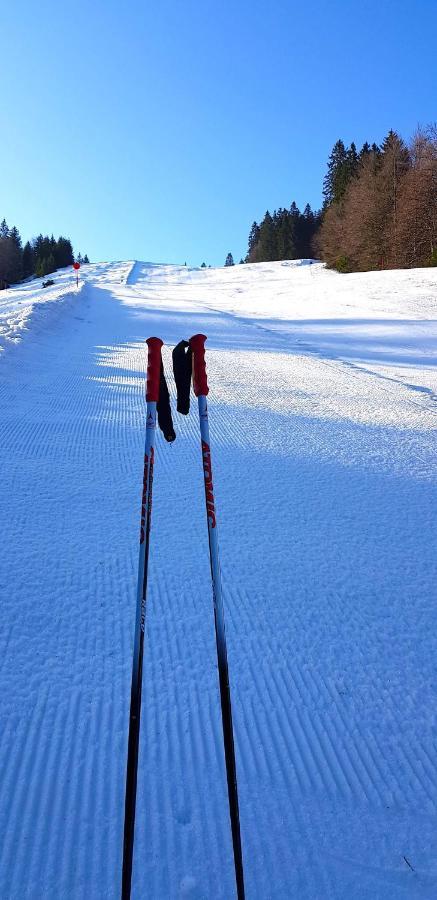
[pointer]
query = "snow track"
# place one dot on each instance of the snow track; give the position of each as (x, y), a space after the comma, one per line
(326, 493)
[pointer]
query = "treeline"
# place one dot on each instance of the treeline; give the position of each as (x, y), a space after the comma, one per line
(380, 208)
(287, 234)
(39, 257)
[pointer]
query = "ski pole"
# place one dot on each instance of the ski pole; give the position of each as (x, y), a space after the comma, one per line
(200, 386)
(152, 395)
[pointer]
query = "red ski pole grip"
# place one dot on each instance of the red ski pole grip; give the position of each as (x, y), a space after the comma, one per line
(153, 368)
(200, 383)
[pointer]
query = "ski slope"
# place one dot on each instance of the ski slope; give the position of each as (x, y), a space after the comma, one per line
(323, 415)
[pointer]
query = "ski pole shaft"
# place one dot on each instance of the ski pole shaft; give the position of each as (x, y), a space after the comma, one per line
(152, 394)
(200, 386)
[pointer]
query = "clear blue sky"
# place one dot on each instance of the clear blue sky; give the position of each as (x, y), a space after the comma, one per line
(160, 129)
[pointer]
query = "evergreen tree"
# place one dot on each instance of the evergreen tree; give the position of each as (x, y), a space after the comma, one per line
(28, 260)
(203, 266)
(266, 247)
(10, 254)
(63, 253)
(352, 161)
(15, 237)
(85, 259)
(229, 260)
(307, 231)
(253, 238)
(285, 235)
(342, 166)
(37, 244)
(288, 234)
(50, 265)
(333, 180)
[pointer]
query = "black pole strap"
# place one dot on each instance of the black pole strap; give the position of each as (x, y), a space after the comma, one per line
(182, 369)
(163, 409)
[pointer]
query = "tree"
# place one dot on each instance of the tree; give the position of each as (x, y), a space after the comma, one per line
(266, 247)
(342, 166)
(85, 259)
(395, 162)
(333, 182)
(288, 234)
(416, 235)
(28, 260)
(15, 237)
(253, 238)
(50, 264)
(203, 266)
(229, 260)
(285, 235)
(10, 253)
(63, 253)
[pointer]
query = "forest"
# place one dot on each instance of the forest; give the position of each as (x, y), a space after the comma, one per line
(39, 257)
(379, 210)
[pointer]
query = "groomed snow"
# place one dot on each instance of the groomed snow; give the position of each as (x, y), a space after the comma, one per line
(323, 415)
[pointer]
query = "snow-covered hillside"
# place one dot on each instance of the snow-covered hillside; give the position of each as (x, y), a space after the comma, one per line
(323, 415)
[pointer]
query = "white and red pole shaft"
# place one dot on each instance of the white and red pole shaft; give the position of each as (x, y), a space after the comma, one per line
(152, 395)
(200, 386)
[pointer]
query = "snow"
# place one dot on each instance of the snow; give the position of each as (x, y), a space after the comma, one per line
(323, 419)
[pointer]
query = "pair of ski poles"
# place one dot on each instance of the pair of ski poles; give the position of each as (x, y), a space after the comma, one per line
(200, 386)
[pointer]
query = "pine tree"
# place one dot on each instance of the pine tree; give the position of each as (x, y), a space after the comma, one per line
(229, 260)
(37, 245)
(50, 264)
(85, 259)
(266, 247)
(203, 266)
(28, 260)
(284, 223)
(253, 238)
(307, 231)
(39, 267)
(342, 166)
(333, 179)
(10, 254)
(63, 253)
(15, 237)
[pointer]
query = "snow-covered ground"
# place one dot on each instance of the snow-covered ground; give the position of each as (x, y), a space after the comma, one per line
(323, 418)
